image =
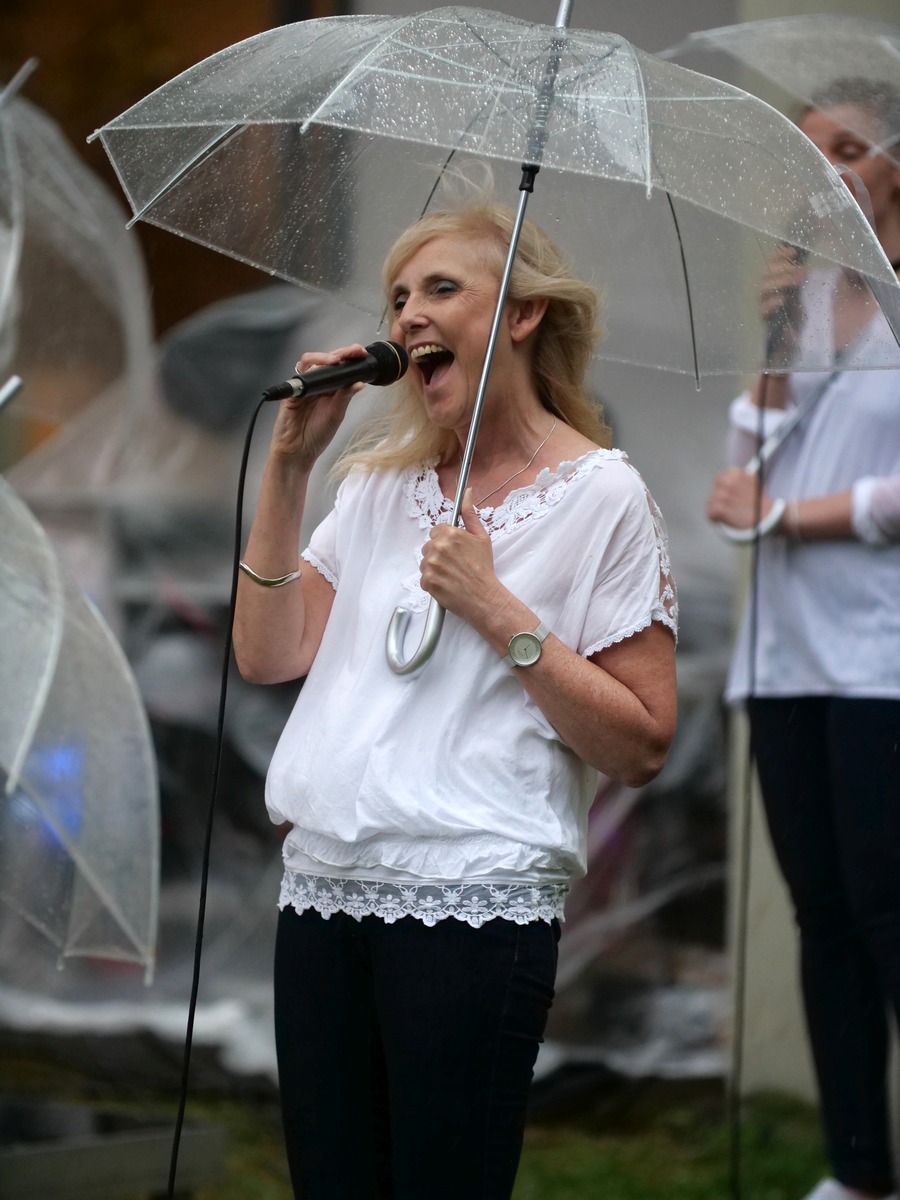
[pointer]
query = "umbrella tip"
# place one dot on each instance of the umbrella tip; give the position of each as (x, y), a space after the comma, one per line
(9, 389)
(17, 82)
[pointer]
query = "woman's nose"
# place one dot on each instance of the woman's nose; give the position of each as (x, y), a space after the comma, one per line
(412, 315)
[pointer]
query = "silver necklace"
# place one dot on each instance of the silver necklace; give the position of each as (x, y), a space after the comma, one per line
(478, 503)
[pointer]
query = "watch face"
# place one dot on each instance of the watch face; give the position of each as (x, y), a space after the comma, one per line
(524, 649)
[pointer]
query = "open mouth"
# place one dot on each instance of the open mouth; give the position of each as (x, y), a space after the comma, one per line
(431, 360)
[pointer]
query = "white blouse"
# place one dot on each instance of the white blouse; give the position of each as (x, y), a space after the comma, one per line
(450, 794)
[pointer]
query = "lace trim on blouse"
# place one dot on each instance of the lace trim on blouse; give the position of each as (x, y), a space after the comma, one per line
(473, 903)
(316, 562)
(426, 503)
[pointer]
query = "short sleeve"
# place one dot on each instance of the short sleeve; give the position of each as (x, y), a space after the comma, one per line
(321, 552)
(634, 584)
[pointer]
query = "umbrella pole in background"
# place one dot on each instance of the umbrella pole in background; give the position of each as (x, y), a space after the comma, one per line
(434, 619)
(14, 253)
(9, 389)
(17, 82)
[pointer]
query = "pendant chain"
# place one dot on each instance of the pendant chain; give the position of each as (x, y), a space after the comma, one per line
(521, 469)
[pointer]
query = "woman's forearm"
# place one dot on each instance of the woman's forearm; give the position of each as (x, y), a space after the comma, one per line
(269, 621)
(618, 715)
(818, 518)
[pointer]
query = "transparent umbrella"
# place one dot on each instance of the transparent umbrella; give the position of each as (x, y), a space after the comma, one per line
(79, 820)
(74, 318)
(803, 55)
(305, 150)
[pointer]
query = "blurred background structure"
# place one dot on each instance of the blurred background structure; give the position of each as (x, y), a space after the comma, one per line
(132, 470)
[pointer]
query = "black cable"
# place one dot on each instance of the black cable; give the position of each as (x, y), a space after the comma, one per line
(742, 891)
(207, 842)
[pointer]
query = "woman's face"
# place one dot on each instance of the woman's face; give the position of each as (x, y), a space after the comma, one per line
(840, 134)
(443, 300)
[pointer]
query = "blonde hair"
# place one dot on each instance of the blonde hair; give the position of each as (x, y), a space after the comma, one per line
(563, 344)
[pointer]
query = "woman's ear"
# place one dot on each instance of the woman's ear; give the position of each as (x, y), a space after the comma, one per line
(525, 316)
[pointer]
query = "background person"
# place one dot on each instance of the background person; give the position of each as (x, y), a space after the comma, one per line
(437, 821)
(823, 689)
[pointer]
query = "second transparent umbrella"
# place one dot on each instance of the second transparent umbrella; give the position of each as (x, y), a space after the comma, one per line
(801, 57)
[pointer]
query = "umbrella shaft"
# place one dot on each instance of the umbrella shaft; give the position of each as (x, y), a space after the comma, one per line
(564, 14)
(469, 451)
(9, 389)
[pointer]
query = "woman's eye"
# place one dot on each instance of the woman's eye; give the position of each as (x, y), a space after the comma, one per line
(398, 302)
(445, 286)
(850, 151)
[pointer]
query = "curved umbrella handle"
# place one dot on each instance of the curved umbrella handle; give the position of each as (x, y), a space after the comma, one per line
(769, 521)
(434, 620)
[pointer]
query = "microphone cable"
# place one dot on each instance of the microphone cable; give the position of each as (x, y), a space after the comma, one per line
(211, 808)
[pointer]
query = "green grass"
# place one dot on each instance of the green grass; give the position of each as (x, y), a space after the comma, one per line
(643, 1141)
(679, 1150)
(656, 1150)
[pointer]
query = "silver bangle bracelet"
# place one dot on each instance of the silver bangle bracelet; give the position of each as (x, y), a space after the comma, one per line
(270, 583)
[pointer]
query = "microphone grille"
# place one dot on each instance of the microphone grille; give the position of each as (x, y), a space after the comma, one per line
(391, 360)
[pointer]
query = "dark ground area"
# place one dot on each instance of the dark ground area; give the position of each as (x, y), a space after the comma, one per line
(591, 1134)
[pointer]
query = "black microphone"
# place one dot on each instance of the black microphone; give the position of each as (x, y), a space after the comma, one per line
(385, 362)
(784, 320)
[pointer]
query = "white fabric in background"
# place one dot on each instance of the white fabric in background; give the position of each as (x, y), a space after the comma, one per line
(827, 619)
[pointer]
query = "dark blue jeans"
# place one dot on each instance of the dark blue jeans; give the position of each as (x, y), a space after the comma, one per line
(405, 1053)
(829, 770)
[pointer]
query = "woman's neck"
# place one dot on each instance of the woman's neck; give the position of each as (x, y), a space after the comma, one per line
(506, 432)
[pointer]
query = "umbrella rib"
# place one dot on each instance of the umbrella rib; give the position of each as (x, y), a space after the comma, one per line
(55, 591)
(203, 153)
(355, 70)
(507, 62)
(93, 881)
(687, 288)
(645, 126)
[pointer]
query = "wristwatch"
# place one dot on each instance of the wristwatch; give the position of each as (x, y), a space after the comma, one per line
(525, 648)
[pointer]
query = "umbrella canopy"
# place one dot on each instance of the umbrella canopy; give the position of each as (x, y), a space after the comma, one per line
(74, 317)
(804, 55)
(79, 819)
(306, 149)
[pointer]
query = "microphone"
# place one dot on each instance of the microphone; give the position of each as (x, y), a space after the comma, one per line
(385, 362)
(783, 322)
